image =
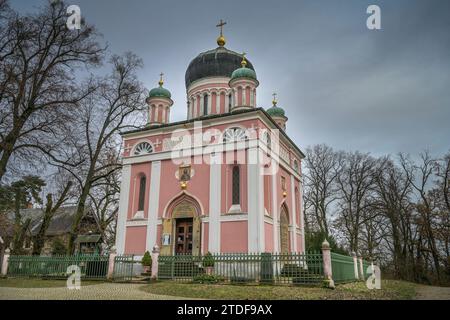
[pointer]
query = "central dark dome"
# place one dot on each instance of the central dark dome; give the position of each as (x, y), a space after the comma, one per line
(219, 62)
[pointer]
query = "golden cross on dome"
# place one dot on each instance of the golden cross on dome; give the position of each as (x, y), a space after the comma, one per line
(274, 101)
(244, 62)
(220, 25)
(161, 81)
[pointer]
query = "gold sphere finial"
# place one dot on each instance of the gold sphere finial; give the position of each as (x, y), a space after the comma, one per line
(244, 62)
(274, 101)
(221, 39)
(161, 81)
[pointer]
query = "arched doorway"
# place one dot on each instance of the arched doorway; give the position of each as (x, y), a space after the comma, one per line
(284, 229)
(183, 225)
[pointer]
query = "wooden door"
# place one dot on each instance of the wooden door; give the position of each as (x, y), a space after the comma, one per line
(184, 233)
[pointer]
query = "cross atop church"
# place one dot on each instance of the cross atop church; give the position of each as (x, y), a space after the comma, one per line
(220, 25)
(274, 101)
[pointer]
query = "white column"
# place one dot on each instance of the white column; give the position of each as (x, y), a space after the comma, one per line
(218, 102)
(209, 103)
(123, 208)
(252, 97)
(275, 213)
(302, 218)
(215, 194)
(202, 101)
(235, 98)
(153, 205)
(293, 215)
(227, 102)
(194, 107)
(255, 191)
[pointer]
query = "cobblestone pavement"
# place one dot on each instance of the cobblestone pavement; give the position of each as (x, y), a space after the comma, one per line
(104, 291)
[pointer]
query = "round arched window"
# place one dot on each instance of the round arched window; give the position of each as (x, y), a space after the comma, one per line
(143, 148)
(235, 135)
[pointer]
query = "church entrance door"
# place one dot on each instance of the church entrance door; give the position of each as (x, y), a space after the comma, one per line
(184, 236)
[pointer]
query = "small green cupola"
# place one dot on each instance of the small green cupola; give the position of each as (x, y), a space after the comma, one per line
(243, 71)
(277, 113)
(159, 104)
(160, 92)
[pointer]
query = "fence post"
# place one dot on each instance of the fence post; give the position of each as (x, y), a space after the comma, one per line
(355, 265)
(5, 262)
(327, 269)
(361, 268)
(112, 257)
(155, 255)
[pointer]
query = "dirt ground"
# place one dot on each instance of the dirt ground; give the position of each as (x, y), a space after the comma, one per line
(432, 293)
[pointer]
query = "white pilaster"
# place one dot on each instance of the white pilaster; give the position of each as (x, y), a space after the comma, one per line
(255, 191)
(293, 216)
(202, 101)
(302, 217)
(227, 103)
(275, 214)
(194, 108)
(153, 205)
(123, 208)
(209, 102)
(215, 194)
(218, 103)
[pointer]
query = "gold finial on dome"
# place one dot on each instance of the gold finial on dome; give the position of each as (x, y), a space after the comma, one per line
(274, 101)
(244, 62)
(161, 81)
(221, 39)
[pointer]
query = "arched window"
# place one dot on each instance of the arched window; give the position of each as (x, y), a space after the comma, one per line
(205, 105)
(143, 148)
(236, 184)
(142, 183)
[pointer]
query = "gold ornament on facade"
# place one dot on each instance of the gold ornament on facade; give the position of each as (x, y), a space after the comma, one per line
(183, 185)
(284, 194)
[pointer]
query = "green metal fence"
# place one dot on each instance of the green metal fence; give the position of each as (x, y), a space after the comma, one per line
(91, 266)
(342, 268)
(271, 268)
(123, 268)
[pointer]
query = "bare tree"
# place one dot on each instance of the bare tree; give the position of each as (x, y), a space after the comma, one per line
(38, 59)
(92, 148)
(322, 165)
(356, 184)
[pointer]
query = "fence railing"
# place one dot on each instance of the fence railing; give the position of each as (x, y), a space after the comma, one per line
(289, 268)
(342, 268)
(91, 266)
(123, 268)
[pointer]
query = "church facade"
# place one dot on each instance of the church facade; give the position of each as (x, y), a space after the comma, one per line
(225, 180)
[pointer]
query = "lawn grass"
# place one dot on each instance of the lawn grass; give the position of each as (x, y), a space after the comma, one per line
(39, 283)
(391, 290)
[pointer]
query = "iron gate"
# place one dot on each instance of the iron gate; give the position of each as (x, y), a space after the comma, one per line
(123, 268)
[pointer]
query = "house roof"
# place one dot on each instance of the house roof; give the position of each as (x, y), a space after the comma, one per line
(88, 238)
(60, 224)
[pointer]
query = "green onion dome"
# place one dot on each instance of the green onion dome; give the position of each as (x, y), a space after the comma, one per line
(243, 72)
(275, 111)
(160, 92)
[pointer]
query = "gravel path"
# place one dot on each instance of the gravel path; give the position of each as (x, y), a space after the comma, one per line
(432, 293)
(104, 291)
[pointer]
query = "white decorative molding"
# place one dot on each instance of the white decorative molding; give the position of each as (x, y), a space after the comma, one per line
(138, 215)
(123, 209)
(153, 205)
(137, 223)
(235, 208)
(215, 195)
(293, 214)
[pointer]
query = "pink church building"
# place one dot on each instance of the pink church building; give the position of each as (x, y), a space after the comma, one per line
(225, 180)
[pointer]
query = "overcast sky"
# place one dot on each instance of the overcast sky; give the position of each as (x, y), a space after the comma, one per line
(341, 84)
